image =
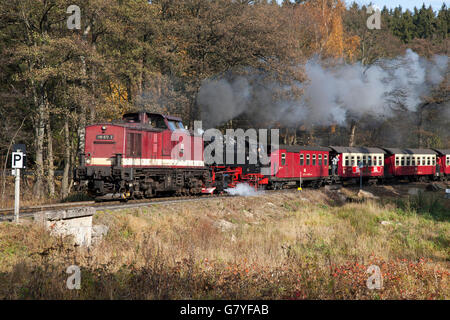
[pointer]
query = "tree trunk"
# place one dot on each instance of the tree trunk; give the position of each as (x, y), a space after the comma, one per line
(351, 140)
(39, 142)
(6, 160)
(50, 158)
(83, 109)
(419, 128)
(72, 161)
(67, 148)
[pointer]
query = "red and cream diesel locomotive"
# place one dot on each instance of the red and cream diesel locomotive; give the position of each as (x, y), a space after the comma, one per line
(136, 157)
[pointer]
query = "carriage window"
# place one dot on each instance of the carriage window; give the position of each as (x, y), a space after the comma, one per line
(402, 161)
(358, 160)
(364, 160)
(381, 161)
(397, 161)
(325, 160)
(302, 159)
(353, 161)
(314, 160)
(307, 160)
(428, 161)
(320, 159)
(448, 160)
(134, 143)
(419, 161)
(283, 159)
(347, 162)
(434, 161)
(369, 160)
(408, 161)
(413, 161)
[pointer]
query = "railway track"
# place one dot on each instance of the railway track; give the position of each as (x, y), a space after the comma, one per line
(26, 212)
(8, 214)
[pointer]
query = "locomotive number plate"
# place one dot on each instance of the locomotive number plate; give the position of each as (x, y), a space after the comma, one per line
(105, 137)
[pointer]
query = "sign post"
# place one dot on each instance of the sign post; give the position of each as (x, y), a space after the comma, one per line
(17, 164)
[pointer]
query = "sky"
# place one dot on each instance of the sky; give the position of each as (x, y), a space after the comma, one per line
(406, 4)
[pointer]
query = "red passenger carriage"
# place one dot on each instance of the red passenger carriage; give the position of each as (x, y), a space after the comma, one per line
(354, 161)
(413, 164)
(297, 165)
(443, 161)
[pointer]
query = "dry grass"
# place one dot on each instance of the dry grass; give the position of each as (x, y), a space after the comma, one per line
(288, 245)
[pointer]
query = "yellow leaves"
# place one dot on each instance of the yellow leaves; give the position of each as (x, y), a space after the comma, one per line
(118, 93)
(116, 102)
(351, 47)
(330, 38)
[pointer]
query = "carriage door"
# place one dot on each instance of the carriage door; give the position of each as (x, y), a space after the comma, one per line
(134, 148)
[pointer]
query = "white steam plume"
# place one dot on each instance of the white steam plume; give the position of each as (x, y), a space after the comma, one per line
(330, 96)
(243, 189)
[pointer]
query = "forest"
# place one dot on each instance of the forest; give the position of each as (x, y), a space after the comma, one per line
(311, 68)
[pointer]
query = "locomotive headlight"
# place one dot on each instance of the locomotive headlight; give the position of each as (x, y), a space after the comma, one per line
(88, 161)
(104, 128)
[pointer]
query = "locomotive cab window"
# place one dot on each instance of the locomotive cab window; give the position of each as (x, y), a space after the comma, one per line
(320, 159)
(131, 118)
(308, 162)
(314, 159)
(302, 159)
(325, 160)
(283, 159)
(172, 125)
(157, 121)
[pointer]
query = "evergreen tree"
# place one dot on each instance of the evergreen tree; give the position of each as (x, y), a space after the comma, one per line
(442, 22)
(425, 23)
(407, 28)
